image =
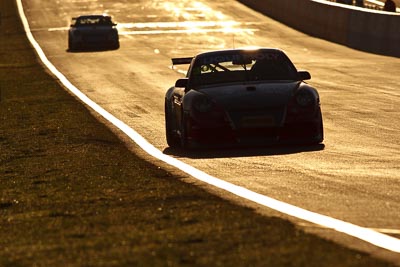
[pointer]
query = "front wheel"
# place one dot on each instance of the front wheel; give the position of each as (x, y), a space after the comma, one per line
(116, 45)
(183, 139)
(172, 139)
(185, 143)
(318, 137)
(69, 44)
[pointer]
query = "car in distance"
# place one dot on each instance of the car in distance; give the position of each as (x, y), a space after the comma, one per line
(242, 97)
(93, 31)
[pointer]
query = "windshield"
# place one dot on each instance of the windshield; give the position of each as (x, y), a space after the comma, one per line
(241, 66)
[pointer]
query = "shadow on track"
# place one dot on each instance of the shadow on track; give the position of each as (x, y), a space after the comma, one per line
(205, 153)
(91, 49)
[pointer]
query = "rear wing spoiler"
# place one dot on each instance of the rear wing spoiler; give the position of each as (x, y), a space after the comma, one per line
(182, 60)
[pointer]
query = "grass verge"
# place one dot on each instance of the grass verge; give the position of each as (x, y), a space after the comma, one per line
(71, 193)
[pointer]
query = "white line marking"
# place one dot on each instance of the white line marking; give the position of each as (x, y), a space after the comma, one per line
(368, 235)
(387, 231)
(188, 31)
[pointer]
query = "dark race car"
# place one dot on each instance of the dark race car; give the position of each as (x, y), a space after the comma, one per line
(93, 31)
(242, 97)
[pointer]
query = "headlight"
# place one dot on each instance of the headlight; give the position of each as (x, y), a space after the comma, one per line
(305, 98)
(202, 103)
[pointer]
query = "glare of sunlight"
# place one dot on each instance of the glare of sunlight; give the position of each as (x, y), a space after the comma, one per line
(250, 47)
(202, 7)
(183, 24)
(219, 15)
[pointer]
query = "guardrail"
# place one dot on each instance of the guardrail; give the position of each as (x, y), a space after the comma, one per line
(360, 28)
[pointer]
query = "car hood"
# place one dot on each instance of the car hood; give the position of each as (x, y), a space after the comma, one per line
(241, 97)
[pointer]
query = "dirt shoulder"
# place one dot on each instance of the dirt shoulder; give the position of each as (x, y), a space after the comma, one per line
(71, 193)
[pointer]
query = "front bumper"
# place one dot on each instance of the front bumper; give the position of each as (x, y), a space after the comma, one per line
(291, 132)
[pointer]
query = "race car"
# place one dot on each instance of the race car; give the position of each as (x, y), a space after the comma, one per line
(93, 31)
(242, 97)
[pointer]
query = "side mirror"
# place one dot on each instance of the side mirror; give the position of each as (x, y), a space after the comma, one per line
(304, 75)
(181, 82)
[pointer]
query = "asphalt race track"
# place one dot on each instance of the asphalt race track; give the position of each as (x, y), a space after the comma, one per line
(354, 176)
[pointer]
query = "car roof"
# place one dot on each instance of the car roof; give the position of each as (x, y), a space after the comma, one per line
(239, 50)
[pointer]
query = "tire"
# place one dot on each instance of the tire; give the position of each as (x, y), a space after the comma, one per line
(69, 44)
(183, 138)
(172, 139)
(116, 45)
(320, 137)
